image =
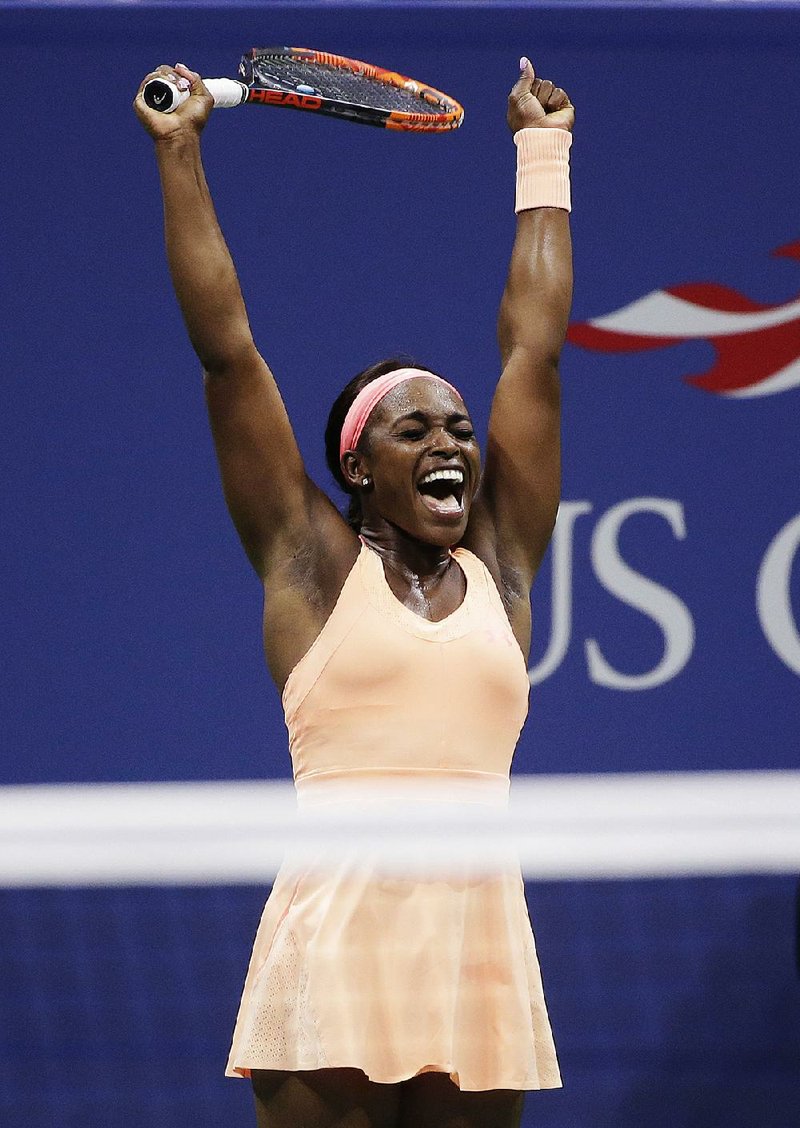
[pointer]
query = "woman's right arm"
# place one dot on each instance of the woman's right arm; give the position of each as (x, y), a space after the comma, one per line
(269, 495)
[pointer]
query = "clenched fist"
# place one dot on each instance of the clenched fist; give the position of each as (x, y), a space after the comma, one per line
(537, 102)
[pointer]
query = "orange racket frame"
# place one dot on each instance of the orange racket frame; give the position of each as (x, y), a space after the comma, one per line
(438, 113)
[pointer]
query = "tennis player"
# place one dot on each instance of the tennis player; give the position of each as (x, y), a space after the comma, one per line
(398, 638)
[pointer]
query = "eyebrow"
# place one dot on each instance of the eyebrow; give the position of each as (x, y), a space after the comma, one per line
(423, 417)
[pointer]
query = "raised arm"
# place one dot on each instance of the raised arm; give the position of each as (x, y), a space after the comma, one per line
(267, 490)
(521, 483)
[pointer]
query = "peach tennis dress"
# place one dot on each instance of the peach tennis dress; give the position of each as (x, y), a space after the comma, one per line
(399, 974)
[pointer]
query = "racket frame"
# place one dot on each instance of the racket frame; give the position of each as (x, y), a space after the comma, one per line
(445, 114)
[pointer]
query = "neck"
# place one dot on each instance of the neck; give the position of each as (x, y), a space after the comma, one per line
(404, 554)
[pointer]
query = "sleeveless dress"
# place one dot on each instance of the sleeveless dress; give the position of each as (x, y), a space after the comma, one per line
(399, 974)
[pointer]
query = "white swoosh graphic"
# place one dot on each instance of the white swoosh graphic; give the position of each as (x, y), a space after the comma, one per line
(662, 315)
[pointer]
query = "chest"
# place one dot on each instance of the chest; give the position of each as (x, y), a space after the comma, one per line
(465, 664)
(431, 601)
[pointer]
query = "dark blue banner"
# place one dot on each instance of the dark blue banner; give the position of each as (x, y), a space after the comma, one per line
(666, 629)
(667, 614)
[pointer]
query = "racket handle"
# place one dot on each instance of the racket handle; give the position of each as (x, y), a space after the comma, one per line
(164, 96)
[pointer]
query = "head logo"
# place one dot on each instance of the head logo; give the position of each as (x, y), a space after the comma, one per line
(757, 346)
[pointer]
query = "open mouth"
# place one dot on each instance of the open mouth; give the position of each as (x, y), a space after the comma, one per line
(442, 491)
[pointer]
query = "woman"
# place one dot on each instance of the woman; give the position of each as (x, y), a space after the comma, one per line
(391, 1002)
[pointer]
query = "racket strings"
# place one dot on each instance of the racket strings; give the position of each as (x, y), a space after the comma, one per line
(286, 72)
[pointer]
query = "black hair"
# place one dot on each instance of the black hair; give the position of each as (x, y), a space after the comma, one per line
(333, 430)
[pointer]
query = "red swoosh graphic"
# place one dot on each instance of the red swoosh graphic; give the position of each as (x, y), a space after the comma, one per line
(742, 359)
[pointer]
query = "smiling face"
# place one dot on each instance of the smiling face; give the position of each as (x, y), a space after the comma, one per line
(419, 450)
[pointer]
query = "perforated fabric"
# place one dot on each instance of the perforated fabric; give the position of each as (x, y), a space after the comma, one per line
(281, 1024)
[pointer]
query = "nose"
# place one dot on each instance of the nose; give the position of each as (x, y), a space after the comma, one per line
(443, 443)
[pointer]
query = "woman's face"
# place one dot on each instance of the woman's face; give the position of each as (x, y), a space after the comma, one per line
(424, 462)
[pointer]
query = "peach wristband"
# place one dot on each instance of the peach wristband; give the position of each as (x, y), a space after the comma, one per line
(543, 168)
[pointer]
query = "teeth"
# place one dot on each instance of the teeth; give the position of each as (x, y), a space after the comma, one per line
(440, 475)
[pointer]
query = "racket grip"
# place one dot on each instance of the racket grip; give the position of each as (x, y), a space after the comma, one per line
(164, 96)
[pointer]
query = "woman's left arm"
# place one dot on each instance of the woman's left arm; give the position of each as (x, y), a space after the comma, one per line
(521, 483)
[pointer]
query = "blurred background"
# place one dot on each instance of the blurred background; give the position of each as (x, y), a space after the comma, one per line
(667, 616)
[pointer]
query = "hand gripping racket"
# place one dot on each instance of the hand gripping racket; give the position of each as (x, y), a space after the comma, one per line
(319, 82)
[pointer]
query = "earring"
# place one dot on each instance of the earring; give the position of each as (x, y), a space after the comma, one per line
(365, 481)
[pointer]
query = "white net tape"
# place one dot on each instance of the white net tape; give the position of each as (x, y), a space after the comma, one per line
(556, 827)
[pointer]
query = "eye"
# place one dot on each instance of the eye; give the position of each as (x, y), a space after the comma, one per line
(416, 433)
(464, 433)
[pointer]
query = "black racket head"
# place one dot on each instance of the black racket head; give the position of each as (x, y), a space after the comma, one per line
(317, 81)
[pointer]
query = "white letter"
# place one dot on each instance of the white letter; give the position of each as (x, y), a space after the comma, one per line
(773, 595)
(561, 591)
(663, 606)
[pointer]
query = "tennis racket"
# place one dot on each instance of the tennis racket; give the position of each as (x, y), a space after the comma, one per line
(318, 82)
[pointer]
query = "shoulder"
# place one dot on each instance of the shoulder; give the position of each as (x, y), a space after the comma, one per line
(314, 553)
(306, 570)
(509, 575)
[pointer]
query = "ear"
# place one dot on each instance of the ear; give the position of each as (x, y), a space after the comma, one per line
(355, 467)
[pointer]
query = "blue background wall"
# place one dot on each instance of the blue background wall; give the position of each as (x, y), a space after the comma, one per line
(132, 623)
(133, 632)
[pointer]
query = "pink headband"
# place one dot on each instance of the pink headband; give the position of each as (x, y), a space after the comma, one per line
(368, 399)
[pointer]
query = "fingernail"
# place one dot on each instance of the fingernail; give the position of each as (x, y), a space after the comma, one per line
(523, 63)
(183, 84)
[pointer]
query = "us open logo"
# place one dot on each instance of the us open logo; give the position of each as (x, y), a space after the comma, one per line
(757, 354)
(757, 346)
